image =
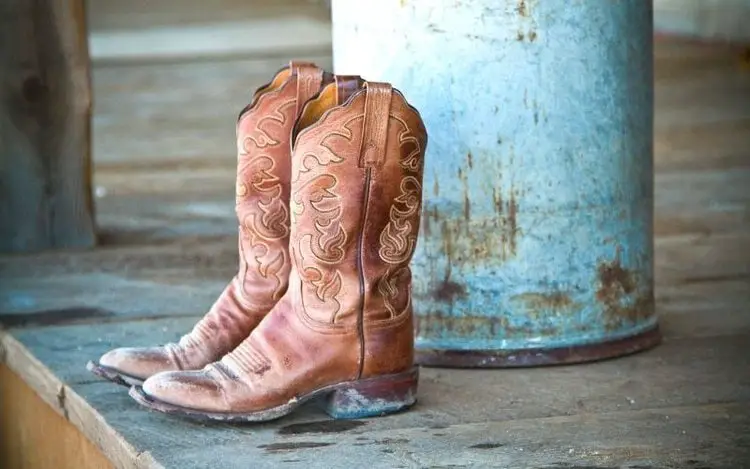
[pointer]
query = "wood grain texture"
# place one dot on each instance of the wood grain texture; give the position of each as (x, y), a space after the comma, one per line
(48, 409)
(45, 110)
(147, 31)
(717, 20)
(33, 436)
(681, 405)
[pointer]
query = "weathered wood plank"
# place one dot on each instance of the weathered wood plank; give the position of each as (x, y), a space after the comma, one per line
(710, 146)
(171, 30)
(181, 112)
(68, 405)
(717, 202)
(33, 436)
(84, 342)
(696, 258)
(704, 308)
(713, 20)
(45, 110)
(673, 436)
(114, 15)
(248, 37)
(669, 49)
(712, 436)
(711, 367)
(653, 408)
(107, 297)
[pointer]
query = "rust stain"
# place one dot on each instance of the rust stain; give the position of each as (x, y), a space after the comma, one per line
(447, 291)
(440, 324)
(467, 244)
(469, 161)
(624, 302)
(532, 36)
(436, 187)
(546, 306)
(520, 36)
(512, 222)
(522, 8)
(429, 216)
(447, 248)
(454, 232)
(507, 215)
(614, 280)
(497, 199)
(554, 301)
(467, 200)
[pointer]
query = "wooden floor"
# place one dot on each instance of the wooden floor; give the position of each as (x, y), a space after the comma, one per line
(164, 169)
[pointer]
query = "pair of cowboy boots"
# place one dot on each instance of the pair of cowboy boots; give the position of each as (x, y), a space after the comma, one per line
(329, 192)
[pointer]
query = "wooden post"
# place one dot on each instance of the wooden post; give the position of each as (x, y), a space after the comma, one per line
(45, 125)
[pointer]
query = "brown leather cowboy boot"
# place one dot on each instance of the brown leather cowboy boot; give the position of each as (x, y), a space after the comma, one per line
(343, 332)
(263, 171)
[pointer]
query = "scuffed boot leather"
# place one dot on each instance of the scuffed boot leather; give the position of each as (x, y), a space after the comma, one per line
(343, 333)
(262, 206)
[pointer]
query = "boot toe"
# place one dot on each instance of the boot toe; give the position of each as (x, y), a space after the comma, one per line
(137, 362)
(195, 390)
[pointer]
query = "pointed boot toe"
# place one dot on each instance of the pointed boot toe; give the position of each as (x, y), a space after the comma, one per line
(197, 391)
(129, 366)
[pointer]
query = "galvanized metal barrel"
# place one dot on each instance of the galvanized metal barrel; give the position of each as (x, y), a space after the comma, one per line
(536, 240)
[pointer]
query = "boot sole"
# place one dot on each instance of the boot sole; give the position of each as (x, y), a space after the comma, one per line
(113, 375)
(372, 397)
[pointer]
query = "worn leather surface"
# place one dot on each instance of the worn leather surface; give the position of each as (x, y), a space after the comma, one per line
(355, 205)
(262, 207)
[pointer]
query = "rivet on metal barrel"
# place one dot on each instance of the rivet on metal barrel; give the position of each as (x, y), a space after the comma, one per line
(536, 245)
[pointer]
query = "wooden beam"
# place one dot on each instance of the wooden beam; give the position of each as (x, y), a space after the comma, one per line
(45, 126)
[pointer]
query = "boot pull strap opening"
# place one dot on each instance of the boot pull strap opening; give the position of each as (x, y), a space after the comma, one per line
(309, 79)
(375, 127)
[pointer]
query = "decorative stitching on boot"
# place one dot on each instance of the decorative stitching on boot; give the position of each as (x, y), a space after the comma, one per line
(269, 220)
(325, 245)
(399, 237)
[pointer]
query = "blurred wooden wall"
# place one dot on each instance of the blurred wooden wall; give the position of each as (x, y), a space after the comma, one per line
(722, 20)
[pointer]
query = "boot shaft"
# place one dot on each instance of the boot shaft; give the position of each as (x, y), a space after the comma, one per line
(355, 208)
(263, 168)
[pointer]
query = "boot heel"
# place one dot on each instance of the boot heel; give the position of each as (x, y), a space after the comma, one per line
(373, 397)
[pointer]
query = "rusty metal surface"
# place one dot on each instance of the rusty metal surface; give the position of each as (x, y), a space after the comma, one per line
(537, 222)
